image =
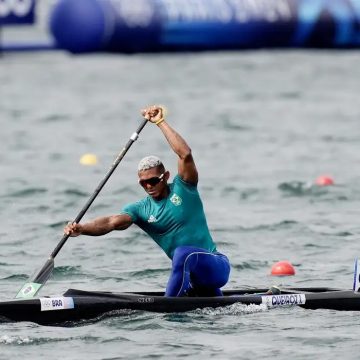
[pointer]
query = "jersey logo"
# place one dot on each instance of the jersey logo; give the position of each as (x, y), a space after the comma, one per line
(152, 219)
(176, 200)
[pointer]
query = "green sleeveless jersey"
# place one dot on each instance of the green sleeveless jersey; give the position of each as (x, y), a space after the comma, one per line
(177, 220)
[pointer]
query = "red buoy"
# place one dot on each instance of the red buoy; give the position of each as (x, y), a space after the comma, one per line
(324, 180)
(282, 268)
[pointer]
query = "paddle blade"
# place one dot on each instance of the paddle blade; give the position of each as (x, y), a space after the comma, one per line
(31, 288)
(356, 286)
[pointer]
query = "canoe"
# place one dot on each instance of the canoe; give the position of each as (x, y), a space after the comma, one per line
(76, 306)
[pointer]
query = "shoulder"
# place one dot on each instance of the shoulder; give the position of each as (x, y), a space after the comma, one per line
(134, 209)
(181, 182)
(137, 204)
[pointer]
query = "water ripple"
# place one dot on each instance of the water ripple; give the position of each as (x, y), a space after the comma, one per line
(250, 265)
(285, 224)
(26, 192)
(68, 272)
(75, 192)
(299, 188)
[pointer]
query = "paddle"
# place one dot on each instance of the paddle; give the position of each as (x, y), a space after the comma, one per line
(31, 288)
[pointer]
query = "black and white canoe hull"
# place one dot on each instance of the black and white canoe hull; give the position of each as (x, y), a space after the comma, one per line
(77, 305)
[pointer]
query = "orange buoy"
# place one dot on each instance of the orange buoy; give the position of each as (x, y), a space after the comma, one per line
(324, 180)
(282, 268)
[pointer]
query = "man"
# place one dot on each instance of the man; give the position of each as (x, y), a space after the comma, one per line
(173, 215)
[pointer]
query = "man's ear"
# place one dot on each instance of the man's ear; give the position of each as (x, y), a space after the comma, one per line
(167, 175)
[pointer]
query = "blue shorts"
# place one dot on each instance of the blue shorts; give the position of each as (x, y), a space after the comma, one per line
(197, 271)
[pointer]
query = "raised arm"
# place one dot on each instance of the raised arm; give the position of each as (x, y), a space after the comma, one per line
(99, 226)
(186, 165)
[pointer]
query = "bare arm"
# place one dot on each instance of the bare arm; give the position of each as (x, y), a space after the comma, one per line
(99, 226)
(186, 165)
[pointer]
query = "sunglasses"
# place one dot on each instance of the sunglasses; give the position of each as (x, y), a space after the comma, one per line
(152, 181)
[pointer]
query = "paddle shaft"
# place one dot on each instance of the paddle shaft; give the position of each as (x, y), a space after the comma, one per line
(40, 276)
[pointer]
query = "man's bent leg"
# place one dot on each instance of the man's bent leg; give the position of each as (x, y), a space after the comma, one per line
(207, 271)
(210, 273)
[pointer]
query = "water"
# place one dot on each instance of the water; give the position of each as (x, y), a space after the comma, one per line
(262, 126)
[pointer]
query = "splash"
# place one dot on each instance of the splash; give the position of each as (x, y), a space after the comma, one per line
(17, 340)
(234, 309)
